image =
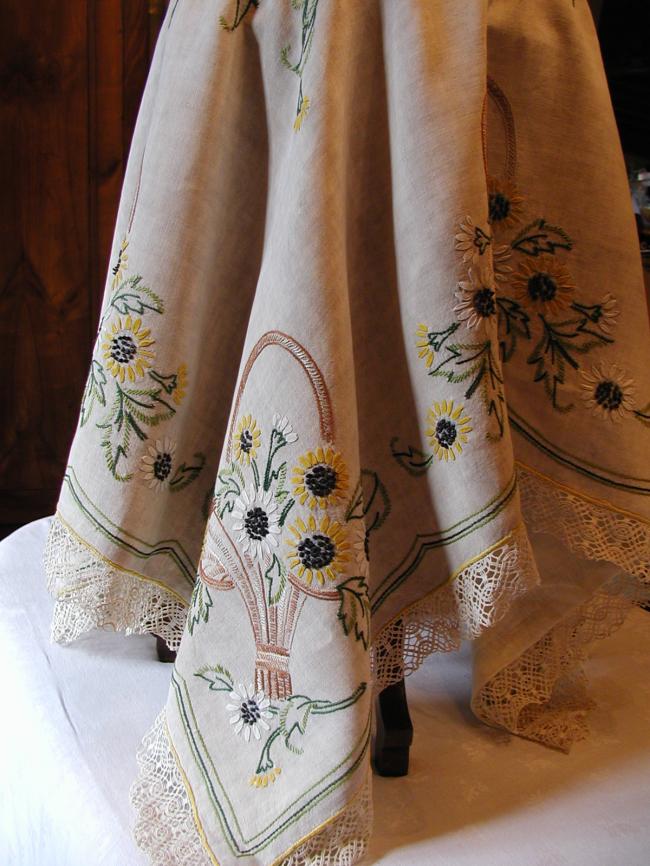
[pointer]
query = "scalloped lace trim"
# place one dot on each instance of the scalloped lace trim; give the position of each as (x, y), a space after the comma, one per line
(475, 599)
(542, 694)
(93, 593)
(166, 831)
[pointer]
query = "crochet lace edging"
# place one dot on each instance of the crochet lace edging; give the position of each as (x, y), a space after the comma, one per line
(91, 592)
(475, 599)
(165, 827)
(542, 694)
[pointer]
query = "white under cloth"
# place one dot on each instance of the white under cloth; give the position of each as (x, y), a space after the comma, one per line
(73, 719)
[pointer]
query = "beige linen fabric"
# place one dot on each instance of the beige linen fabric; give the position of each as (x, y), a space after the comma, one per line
(372, 366)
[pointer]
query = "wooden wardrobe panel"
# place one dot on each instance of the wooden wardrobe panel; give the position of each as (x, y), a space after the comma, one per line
(71, 78)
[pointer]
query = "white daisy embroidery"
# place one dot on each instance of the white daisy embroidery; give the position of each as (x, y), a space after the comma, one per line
(156, 466)
(257, 522)
(249, 709)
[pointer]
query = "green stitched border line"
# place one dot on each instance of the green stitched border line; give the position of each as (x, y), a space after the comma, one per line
(170, 548)
(564, 457)
(431, 541)
(179, 684)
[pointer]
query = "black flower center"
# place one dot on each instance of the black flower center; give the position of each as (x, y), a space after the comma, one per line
(256, 523)
(446, 432)
(246, 440)
(250, 712)
(484, 302)
(542, 287)
(316, 551)
(608, 395)
(320, 479)
(162, 465)
(499, 205)
(123, 349)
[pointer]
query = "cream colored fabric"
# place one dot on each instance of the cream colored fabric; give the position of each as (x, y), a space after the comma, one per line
(375, 329)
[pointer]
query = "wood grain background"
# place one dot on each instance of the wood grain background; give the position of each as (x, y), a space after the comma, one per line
(71, 78)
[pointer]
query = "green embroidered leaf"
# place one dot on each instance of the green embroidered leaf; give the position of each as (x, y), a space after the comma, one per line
(185, 474)
(415, 462)
(294, 717)
(133, 297)
(94, 391)
(276, 576)
(476, 363)
(284, 56)
(514, 323)
(285, 511)
(354, 609)
(218, 678)
(557, 349)
(369, 501)
(201, 605)
(540, 237)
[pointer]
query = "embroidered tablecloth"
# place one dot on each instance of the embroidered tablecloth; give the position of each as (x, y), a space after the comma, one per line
(374, 331)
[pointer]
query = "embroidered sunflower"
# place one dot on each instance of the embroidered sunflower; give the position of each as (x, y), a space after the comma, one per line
(448, 429)
(320, 479)
(305, 102)
(472, 241)
(127, 349)
(181, 384)
(247, 439)
(257, 521)
(318, 550)
(477, 298)
(156, 465)
(608, 391)
(250, 711)
(504, 202)
(544, 285)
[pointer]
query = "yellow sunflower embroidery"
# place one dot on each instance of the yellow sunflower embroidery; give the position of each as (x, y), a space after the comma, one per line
(320, 479)
(448, 429)
(544, 285)
(318, 550)
(127, 349)
(423, 343)
(181, 384)
(504, 202)
(247, 439)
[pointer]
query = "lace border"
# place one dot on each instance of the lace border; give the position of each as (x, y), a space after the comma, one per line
(91, 592)
(542, 695)
(476, 598)
(165, 827)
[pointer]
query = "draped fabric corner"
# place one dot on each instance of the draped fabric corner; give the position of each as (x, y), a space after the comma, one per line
(370, 379)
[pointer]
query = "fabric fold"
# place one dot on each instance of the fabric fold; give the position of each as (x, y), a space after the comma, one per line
(370, 380)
